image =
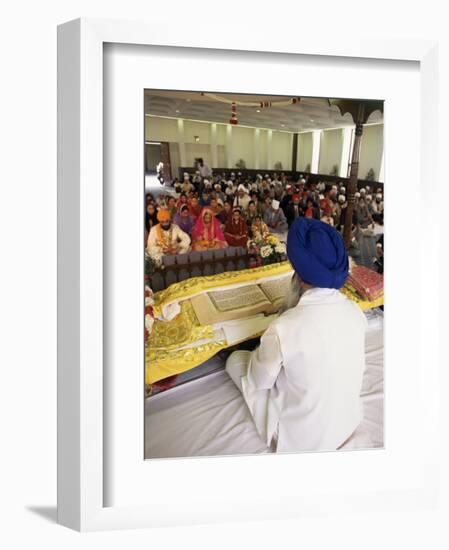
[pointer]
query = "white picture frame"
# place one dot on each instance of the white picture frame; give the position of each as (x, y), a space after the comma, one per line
(82, 491)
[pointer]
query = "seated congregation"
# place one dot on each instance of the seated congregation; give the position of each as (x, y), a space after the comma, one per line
(230, 210)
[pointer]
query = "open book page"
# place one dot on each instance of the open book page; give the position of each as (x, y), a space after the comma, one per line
(226, 305)
(237, 298)
(276, 290)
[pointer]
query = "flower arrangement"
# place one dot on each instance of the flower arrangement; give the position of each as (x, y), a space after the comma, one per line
(152, 264)
(270, 249)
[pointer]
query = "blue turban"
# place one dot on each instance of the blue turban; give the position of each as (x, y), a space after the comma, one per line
(317, 252)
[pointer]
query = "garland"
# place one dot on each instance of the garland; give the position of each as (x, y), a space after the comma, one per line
(260, 104)
(233, 119)
(165, 242)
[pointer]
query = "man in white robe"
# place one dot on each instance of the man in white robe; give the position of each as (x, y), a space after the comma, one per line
(302, 384)
(205, 170)
(166, 237)
(242, 199)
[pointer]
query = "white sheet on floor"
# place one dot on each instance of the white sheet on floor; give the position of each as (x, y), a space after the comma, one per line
(208, 417)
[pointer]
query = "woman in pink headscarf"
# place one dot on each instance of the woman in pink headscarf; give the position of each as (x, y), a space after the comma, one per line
(206, 233)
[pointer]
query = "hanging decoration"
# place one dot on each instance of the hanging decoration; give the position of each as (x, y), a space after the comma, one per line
(233, 119)
(259, 104)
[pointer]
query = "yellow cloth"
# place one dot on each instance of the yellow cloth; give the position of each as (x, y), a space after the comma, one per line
(195, 285)
(163, 356)
(183, 330)
(363, 304)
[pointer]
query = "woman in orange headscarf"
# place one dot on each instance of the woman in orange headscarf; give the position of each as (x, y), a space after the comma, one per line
(206, 233)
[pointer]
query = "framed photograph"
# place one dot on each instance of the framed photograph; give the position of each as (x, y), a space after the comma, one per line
(224, 353)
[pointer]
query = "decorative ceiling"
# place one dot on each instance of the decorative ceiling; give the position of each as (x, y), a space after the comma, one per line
(310, 113)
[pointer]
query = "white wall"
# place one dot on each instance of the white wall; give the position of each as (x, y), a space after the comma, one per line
(330, 150)
(200, 129)
(281, 150)
(175, 161)
(270, 150)
(221, 134)
(197, 150)
(161, 129)
(305, 146)
(221, 155)
(242, 145)
(371, 150)
(263, 149)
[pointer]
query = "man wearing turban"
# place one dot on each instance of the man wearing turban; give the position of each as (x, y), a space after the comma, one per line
(302, 384)
(242, 198)
(275, 219)
(166, 237)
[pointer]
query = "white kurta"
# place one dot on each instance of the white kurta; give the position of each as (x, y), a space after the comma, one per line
(303, 382)
(242, 201)
(177, 239)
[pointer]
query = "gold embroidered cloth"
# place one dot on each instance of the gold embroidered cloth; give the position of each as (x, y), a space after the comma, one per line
(181, 344)
(196, 285)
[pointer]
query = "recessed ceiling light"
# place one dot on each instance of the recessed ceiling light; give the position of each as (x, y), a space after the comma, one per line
(177, 111)
(257, 110)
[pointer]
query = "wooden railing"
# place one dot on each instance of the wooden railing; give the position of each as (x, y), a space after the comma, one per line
(179, 267)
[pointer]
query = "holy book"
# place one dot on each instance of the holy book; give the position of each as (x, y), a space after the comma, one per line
(237, 303)
(367, 283)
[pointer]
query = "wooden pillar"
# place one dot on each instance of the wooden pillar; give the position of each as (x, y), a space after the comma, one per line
(352, 185)
(294, 152)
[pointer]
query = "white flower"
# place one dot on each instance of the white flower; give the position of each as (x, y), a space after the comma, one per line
(149, 321)
(266, 251)
(149, 299)
(351, 264)
(280, 248)
(156, 256)
(149, 291)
